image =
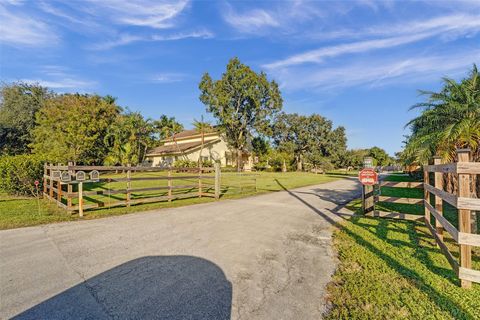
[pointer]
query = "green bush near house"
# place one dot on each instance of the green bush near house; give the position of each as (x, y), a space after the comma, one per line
(19, 173)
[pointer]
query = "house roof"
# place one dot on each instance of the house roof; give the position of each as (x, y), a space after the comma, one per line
(190, 134)
(178, 148)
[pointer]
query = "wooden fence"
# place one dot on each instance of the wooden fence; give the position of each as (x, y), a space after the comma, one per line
(464, 202)
(387, 199)
(65, 185)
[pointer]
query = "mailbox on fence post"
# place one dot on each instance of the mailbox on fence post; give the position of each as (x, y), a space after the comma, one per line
(94, 175)
(368, 178)
(56, 174)
(66, 176)
(80, 176)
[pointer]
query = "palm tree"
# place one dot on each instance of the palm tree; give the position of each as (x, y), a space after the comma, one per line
(202, 127)
(450, 119)
(167, 127)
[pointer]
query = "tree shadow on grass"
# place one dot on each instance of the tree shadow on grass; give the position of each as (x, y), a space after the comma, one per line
(155, 287)
(442, 301)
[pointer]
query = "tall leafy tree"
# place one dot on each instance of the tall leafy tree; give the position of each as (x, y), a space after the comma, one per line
(19, 103)
(128, 138)
(166, 127)
(381, 156)
(260, 146)
(72, 127)
(242, 101)
(302, 135)
(202, 127)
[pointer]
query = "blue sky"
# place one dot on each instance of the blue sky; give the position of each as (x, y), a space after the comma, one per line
(358, 63)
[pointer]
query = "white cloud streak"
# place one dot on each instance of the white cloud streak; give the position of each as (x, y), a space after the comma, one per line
(126, 39)
(249, 21)
(21, 30)
(153, 14)
(447, 26)
(378, 72)
(59, 77)
(168, 77)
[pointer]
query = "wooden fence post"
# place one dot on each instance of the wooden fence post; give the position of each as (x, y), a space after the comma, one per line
(128, 185)
(51, 184)
(69, 188)
(169, 185)
(438, 201)
(426, 194)
(59, 189)
(464, 217)
(368, 199)
(45, 178)
(200, 182)
(80, 199)
(217, 180)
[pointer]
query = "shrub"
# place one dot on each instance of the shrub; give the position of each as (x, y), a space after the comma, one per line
(192, 164)
(18, 174)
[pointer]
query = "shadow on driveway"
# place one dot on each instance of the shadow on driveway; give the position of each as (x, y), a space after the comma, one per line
(157, 287)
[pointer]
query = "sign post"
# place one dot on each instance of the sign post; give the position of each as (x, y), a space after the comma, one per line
(368, 178)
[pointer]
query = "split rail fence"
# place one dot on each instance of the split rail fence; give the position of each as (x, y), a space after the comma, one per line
(463, 200)
(388, 199)
(111, 186)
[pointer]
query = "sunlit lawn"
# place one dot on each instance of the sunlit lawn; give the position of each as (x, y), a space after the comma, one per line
(392, 269)
(18, 212)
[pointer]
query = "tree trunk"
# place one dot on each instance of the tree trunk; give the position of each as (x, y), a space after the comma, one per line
(200, 161)
(239, 160)
(299, 163)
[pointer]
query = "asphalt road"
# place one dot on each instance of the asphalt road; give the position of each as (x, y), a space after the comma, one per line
(263, 257)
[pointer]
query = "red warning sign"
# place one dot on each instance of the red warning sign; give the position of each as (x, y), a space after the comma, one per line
(368, 177)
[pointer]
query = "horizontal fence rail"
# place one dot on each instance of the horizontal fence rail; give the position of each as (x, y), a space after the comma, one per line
(70, 187)
(463, 236)
(463, 170)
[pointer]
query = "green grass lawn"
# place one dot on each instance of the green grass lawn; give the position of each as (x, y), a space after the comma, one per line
(19, 212)
(392, 269)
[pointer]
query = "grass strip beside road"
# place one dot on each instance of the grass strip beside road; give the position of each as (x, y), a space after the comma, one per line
(392, 269)
(18, 212)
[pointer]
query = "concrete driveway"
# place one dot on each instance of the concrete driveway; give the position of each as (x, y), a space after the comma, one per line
(263, 257)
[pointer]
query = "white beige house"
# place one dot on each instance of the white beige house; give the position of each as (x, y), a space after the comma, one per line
(187, 145)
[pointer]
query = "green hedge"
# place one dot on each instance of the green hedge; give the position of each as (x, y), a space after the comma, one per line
(18, 174)
(191, 164)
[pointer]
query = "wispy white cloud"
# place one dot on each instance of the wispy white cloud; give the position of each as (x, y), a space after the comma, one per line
(144, 13)
(125, 39)
(72, 19)
(168, 77)
(251, 20)
(319, 55)
(59, 77)
(66, 83)
(446, 26)
(377, 72)
(20, 29)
